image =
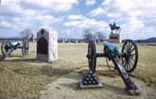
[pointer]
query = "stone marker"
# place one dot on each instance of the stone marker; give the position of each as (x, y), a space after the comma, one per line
(47, 45)
(114, 38)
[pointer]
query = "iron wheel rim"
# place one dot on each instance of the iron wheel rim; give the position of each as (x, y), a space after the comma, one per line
(91, 56)
(130, 55)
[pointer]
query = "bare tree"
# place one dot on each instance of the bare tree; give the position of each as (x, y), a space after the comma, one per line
(88, 35)
(100, 36)
(27, 33)
(31, 37)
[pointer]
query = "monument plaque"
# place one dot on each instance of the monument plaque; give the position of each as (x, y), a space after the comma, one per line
(47, 45)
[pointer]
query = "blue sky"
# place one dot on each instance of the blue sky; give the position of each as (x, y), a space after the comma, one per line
(69, 18)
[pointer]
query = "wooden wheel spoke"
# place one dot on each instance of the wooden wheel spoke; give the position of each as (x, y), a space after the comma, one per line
(132, 49)
(132, 55)
(131, 46)
(126, 66)
(130, 64)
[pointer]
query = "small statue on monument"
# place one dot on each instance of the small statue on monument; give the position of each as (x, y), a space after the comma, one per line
(114, 28)
(114, 36)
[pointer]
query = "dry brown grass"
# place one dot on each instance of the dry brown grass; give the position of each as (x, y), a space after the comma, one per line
(25, 77)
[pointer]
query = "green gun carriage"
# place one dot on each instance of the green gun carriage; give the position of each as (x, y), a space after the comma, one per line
(8, 45)
(125, 61)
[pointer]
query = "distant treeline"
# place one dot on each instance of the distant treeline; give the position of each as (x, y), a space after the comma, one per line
(74, 40)
(149, 40)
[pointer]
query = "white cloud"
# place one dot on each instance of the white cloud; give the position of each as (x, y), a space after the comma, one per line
(6, 2)
(134, 29)
(55, 5)
(136, 23)
(139, 13)
(11, 6)
(14, 15)
(136, 13)
(47, 20)
(98, 11)
(124, 5)
(76, 17)
(137, 7)
(84, 22)
(106, 2)
(5, 24)
(114, 15)
(24, 22)
(134, 16)
(90, 2)
(16, 7)
(130, 7)
(78, 23)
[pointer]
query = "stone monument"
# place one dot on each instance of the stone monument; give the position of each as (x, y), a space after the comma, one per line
(47, 45)
(114, 36)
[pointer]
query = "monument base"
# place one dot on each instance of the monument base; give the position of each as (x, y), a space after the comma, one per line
(114, 38)
(43, 58)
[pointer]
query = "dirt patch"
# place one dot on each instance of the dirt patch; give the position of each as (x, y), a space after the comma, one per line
(67, 87)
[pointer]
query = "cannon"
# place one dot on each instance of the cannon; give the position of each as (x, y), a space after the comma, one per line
(8, 45)
(124, 60)
(128, 55)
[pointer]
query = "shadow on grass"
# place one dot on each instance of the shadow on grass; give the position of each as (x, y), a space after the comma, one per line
(44, 70)
(11, 56)
(106, 73)
(23, 59)
(83, 72)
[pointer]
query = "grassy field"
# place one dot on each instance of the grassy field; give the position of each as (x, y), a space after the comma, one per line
(25, 77)
(146, 69)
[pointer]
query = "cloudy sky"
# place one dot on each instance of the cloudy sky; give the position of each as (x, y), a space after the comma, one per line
(69, 18)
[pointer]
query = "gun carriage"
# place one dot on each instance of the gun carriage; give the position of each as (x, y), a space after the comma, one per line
(124, 60)
(8, 45)
(127, 57)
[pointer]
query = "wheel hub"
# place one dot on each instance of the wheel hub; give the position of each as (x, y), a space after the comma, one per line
(6, 48)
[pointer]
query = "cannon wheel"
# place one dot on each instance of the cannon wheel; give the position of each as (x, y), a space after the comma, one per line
(25, 48)
(92, 55)
(4, 48)
(129, 57)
